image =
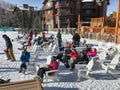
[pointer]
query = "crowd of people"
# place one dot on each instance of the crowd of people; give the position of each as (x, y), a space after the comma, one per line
(68, 54)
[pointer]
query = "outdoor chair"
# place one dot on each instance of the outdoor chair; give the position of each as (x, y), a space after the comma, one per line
(47, 75)
(53, 51)
(118, 47)
(53, 76)
(110, 65)
(83, 70)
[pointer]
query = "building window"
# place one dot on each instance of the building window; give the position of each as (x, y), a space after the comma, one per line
(64, 19)
(48, 12)
(63, 2)
(48, 4)
(87, 4)
(57, 3)
(48, 26)
(88, 11)
(48, 19)
(64, 26)
(63, 10)
(71, 10)
(56, 18)
(85, 19)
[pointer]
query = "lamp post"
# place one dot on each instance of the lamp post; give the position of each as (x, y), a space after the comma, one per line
(59, 16)
(117, 22)
(68, 27)
(79, 25)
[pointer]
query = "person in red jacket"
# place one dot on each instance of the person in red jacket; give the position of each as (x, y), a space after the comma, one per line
(52, 66)
(92, 53)
(31, 34)
(74, 54)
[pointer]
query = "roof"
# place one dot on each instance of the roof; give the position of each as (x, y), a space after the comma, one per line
(48, 0)
(27, 9)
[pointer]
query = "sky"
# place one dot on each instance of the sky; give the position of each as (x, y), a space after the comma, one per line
(34, 3)
(112, 7)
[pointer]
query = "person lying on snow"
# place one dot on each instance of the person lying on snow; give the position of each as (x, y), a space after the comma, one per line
(2, 81)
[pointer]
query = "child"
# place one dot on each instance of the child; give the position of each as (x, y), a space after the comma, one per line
(24, 58)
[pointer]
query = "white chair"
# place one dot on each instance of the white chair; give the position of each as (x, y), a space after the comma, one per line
(53, 51)
(49, 47)
(83, 69)
(53, 77)
(79, 49)
(32, 48)
(47, 75)
(31, 66)
(112, 65)
(118, 47)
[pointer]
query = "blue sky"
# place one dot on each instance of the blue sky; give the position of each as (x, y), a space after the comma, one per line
(112, 7)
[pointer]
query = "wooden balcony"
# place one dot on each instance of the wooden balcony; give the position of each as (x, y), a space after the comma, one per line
(47, 8)
(64, 14)
(89, 14)
(63, 5)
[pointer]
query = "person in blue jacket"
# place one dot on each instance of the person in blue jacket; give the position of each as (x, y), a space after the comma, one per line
(24, 58)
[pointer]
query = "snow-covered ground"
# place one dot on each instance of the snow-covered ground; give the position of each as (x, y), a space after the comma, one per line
(98, 80)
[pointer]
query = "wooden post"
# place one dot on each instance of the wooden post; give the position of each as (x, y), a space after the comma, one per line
(117, 22)
(79, 25)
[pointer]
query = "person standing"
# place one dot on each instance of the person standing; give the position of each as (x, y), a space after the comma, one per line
(31, 34)
(9, 48)
(24, 58)
(59, 39)
(76, 39)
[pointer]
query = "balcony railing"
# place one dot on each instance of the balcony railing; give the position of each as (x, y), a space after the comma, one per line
(86, 7)
(64, 13)
(45, 8)
(62, 5)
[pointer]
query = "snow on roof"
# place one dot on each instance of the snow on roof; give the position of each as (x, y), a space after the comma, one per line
(87, 0)
(27, 9)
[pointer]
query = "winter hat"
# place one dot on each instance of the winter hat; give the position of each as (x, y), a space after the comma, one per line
(53, 58)
(4, 35)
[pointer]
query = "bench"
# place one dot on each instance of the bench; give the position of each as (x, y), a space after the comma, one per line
(33, 84)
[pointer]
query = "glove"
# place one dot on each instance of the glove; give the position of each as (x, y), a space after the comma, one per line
(5, 50)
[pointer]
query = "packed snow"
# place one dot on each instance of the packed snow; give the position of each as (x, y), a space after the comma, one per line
(98, 80)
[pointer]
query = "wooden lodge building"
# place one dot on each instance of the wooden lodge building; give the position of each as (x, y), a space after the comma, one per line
(64, 13)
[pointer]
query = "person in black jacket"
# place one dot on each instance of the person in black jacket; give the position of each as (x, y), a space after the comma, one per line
(2, 81)
(59, 39)
(9, 48)
(81, 59)
(76, 39)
